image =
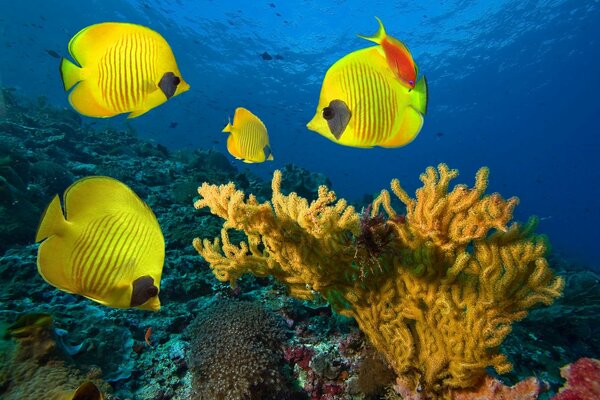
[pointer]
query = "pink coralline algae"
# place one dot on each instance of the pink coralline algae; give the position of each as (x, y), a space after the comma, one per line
(583, 380)
(528, 389)
(299, 355)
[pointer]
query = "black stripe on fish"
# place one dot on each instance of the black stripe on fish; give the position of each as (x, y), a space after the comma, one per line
(168, 84)
(267, 150)
(143, 290)
(337, 115)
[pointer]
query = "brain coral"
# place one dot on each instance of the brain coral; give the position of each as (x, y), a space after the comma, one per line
(236, 352)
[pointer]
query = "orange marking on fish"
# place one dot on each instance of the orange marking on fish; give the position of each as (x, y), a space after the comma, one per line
(147, 336)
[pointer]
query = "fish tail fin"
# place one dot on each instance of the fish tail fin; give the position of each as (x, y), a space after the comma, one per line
(70, 73)
(378, 36)
(419, 96)
(228, 127)
(53, 220)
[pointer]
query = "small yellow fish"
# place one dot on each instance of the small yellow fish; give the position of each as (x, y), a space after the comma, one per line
(85, 391)
(248, 139)
(28, 325)
(107, 246)
(123, 68)
(363, 103)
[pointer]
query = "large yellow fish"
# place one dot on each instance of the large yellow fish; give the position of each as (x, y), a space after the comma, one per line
(107, 246)
(364, 104)
(248, 138)
(123, 68)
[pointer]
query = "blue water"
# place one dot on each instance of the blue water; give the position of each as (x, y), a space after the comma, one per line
(513, 85)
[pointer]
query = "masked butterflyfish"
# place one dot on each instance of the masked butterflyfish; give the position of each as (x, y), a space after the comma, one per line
(122, 68)
(397, 56)
(106, 246)
(248, 138)
(363, 104)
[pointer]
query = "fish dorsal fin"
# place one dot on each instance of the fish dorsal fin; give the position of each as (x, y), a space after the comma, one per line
(96, 195)
(88, 44)
(243, 116)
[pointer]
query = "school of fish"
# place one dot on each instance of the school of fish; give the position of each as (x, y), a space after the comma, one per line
(104, 242)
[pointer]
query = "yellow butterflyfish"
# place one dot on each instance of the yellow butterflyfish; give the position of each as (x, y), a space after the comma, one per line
(107, 246)
(248, 138)
(123, 68)
(364, 104)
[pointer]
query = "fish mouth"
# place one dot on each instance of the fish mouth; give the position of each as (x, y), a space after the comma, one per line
(183, 87)
(311, 125)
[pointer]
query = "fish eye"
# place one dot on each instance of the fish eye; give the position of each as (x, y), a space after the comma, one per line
(411, 82)
(328, 113)
(176, 80)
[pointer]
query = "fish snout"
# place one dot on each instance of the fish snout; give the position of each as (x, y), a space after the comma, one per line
(312, 125)
(183, 86)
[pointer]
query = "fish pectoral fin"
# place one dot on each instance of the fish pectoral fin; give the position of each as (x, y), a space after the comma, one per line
(150, 87)
(408, 130)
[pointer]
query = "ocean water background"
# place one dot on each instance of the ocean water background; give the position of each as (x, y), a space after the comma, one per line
(513, 85)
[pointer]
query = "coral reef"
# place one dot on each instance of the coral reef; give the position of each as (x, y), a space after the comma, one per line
(435, 291)
(236, 352)
(35, 367)
(325, 353)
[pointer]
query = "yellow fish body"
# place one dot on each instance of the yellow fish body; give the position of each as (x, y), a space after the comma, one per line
(107, 246)
(123, 68)
(363, 103)
(248, 138)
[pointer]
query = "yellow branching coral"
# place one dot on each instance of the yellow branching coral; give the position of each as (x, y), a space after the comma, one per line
(287, 238)
(451, 275)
